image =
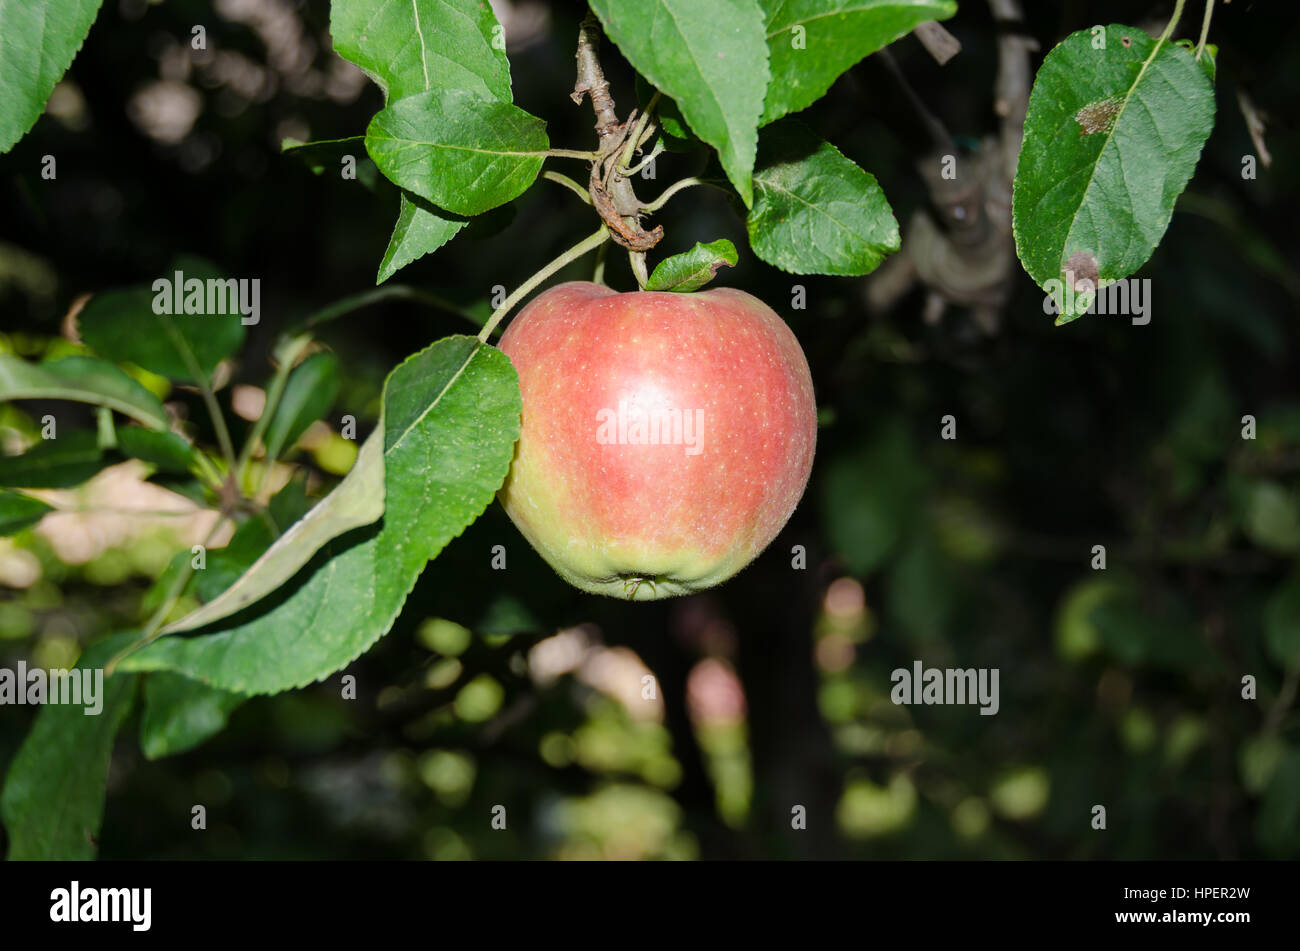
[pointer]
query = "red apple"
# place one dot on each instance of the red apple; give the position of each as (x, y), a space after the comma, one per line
(666, 437)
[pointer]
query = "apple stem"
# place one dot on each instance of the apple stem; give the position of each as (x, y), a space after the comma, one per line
(578, 250)
(638, 267)
(598, 274)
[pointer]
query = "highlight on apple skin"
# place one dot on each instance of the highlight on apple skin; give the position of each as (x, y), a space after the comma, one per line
(666, 438)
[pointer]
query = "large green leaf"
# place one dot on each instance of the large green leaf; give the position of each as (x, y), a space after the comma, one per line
(451, 416)
(711, 58)
(356, 501)
(38, 41)
(691, 270)
(59, 463)
(53, 798)
(1111, 138)
(409, 46)
(815, 211)
(84, 379)
(180, 713)
(18, 511)
(835, 34)
(122, 325)
(462, 152)
(310, 392)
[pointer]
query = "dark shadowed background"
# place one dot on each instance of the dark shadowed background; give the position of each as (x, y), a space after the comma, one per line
(1119, 687)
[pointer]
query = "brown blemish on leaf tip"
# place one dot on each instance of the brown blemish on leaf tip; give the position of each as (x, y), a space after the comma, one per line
(1082, 272)
(1097, 116)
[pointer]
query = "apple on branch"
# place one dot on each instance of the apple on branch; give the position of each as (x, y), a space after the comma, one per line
(666, 438)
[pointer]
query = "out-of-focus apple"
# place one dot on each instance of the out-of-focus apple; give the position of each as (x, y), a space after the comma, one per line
(666, 437)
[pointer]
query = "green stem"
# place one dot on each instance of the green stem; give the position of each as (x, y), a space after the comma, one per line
(649, 159)
(575, 252)
(205, 390)
(389, 292)
(598, 274)
(674, 188)
(207, 470)
(287, 354)
(638, 267)
(572, 153)
(568, 183)
(635, 138)
(1169, 29)
(1205, 28)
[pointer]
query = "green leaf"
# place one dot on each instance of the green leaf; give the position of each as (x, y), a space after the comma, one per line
(451, 416)
(409, 46)
(815, 211)
(412, 47)
(37, 44)
(330, 155)
(692, 269)
(17, 511)
(122, 325)
(461, 152)
(420, 230)
(308, 396)
(168, 451)
(870, 497)
(1282, 624)
(180, 713)
(1277, 824)
(53, 798)
(356, 501)
(84, 379)
(59, 463)
(1112, 137)
(710, 58)
(835, 35)
(1272, 516)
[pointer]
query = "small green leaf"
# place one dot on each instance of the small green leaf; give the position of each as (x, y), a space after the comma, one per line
(710, 58)
(815, 211)
(180, 713)
(84, 379)
(53, 798)
(1282, 623)
(18, 511)
(334, 156)
(123, 326)
(308, 396)
(59, 463)
(1112, 137)
(693, 269)
(461, 152)
(409, 46)
(168, 451)
(451, 417)
(421, 229)
(811, 42)
(37, 44)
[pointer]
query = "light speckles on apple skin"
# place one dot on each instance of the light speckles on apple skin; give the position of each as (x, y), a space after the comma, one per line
(601, 514)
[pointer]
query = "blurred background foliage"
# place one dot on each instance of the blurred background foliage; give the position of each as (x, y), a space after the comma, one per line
(1120, 687)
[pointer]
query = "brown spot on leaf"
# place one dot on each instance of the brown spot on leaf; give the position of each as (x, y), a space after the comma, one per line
(1081, 272)
(1127, 41)
(1097, 116)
